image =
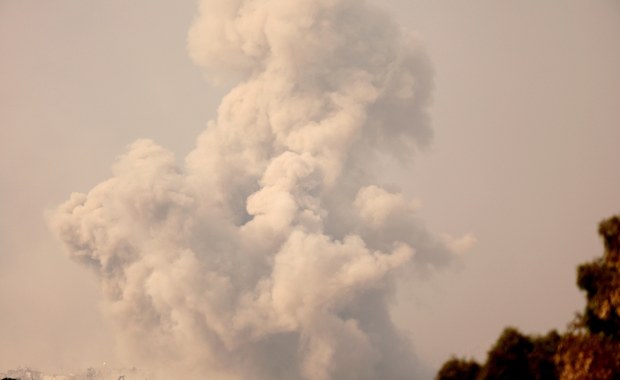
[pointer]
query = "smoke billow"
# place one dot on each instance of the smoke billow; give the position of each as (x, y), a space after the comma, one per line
(271, 252)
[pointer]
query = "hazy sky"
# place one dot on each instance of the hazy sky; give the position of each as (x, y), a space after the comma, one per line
(526, 115)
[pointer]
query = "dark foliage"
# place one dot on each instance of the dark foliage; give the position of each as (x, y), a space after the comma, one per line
(600, 279)
(541, 360)
(517, 356)
(458, 369)
(584, 356)
(508, 359)
(589, 350)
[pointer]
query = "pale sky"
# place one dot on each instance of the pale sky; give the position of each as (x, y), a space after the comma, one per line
(526, 115)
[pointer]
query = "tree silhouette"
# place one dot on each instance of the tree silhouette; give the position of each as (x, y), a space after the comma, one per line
(591, 347)
(459, 369)
(588, 350)
(600, 279)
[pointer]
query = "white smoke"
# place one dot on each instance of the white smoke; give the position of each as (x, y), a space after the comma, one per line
(271, 253)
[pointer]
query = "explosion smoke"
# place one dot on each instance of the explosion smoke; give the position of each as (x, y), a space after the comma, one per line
(271, 253)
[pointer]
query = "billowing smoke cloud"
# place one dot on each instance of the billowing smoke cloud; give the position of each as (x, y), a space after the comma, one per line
(271, 252)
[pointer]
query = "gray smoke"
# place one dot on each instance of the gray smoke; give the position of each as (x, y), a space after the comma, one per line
(271, 252)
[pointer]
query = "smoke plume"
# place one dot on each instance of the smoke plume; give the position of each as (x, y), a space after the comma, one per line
(271, 252)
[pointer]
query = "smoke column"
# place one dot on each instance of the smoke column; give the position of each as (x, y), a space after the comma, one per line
(271, 252)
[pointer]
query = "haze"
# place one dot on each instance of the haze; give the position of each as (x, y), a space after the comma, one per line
(525, 114)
